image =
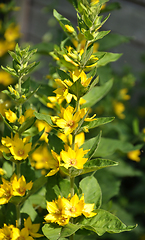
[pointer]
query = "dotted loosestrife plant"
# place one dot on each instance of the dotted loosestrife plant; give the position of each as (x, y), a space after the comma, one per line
(59, 201)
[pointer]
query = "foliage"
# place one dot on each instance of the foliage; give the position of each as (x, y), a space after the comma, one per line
(50, 170)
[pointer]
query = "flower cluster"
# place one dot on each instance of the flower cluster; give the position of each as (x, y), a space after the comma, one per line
(27, 233)
(18, 147)
(62, 209)
(14, 187)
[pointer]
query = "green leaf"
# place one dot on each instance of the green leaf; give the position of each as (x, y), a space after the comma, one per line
(37, 137)
(63, 75)
(99, 121)
(92, 191)
(27, 124)
(55, 143)
(78, 89)
(10, 70)
(93, 147)
(97, 93)
(64, 185)
(88, 35)
(110, 185)
(107, 58)
(100, 35)
(29, 209)
(90, 166)
(87, 56)
(37, 184)
(44, 117)
(105, 222)
(97, 164)
(108, 146)
(69, 230)
(52, 190)
(63, 21)
(51, 231)
(87, 20)
(9, 126)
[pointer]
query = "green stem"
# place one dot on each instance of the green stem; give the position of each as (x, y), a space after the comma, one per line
(18, 169)
(18, 222)
(18, 214)
(19, 89)
(72, 186)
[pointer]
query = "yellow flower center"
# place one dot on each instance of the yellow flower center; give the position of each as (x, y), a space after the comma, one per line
(8, 237)
(73, 161)
(72, 209)
(8, 194)
(21, 152)
(21, 190)
(70, 123)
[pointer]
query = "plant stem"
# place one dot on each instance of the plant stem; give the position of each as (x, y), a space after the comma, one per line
(19, 89)
(18, 222)
(18, 169)
(72, 186)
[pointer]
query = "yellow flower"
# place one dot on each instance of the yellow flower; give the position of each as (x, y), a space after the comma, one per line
(134, 155)
(41, 158)
(18, 147)
(56, 212)
(6, 191)
(20, 186)
(32, 228)
(69, 121)
(81, 74)
(73, 207)
(61, 210)
(11, 116)
(5, 78)
(9, 232)
(52, 102)
(123, 94)
(28, 114)
(62, 92)
(118, 109)
(23, 234)
(70, 29)
(54, 163)
(88, 209)
(43, 125)
(12, 33)
(2, 172)
(94, 2)
(73, 158)
(5, 46)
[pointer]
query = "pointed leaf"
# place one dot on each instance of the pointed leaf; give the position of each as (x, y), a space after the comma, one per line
(51, 231)
(55, 143)
(69, 230)
(78, 89)
(107, 58)
(99, 121)
(90, 166)
(44, 117)
(91, 194)
(96, 164)
(108, 146)
(97, 93)
(105, 222)
(93, 147)
(27, 124)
